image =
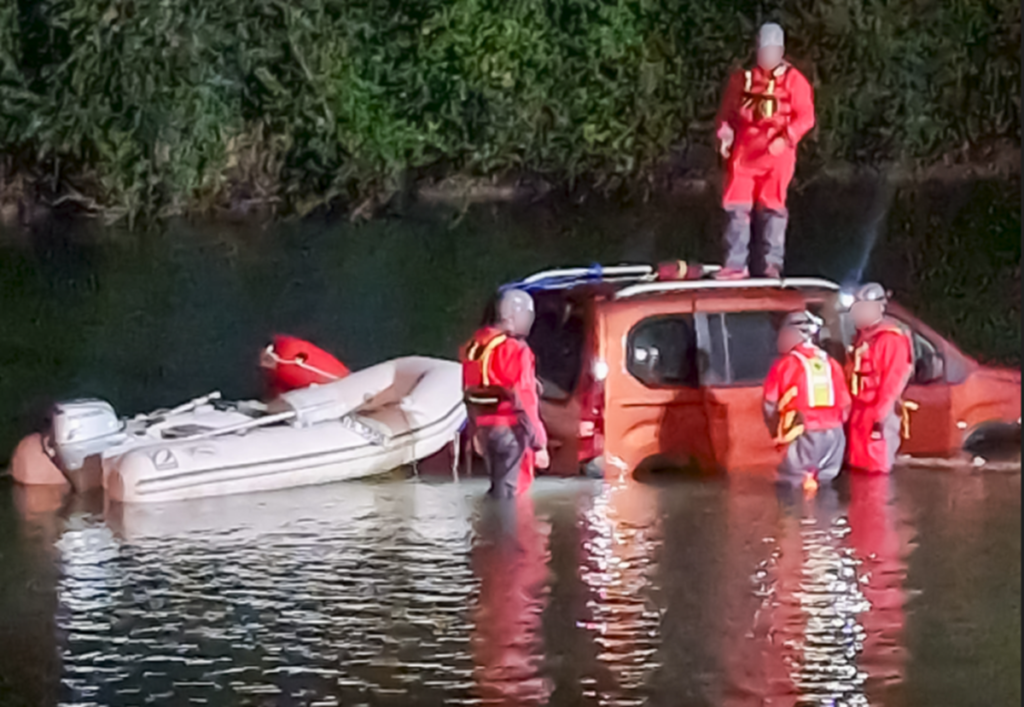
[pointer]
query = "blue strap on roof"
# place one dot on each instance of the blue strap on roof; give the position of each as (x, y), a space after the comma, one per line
(594, 273)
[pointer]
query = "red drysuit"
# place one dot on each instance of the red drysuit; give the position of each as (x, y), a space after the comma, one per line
(496, 364)
(882, 364)
(760, 106)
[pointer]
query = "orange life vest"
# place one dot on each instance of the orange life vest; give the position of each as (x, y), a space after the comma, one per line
(865, 373)
(482, 395)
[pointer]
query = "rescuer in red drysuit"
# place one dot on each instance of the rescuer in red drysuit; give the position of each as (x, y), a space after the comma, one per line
(881, 366)
(503, 398)
(806, 404)
(289, 363)
(765, 112)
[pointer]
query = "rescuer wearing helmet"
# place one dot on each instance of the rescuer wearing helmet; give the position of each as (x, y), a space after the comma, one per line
(503, 398)
(765, 112)
(806, 404)
(880, 368)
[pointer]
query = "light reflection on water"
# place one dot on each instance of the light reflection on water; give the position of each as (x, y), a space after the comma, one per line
(620, 540)
(421, 593)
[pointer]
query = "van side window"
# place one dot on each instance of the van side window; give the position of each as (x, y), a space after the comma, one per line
(741, 347)
(929, 365)
(662, 351)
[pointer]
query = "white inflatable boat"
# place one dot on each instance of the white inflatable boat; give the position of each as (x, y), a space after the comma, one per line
(370, 422)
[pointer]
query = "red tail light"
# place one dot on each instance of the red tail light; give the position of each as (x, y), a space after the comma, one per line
(591, 429)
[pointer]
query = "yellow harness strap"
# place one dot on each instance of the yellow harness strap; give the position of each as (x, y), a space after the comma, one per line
(906, 407)
(765, 104)
(483, 353)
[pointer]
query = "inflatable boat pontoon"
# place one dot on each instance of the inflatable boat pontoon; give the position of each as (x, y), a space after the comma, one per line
(370, 422)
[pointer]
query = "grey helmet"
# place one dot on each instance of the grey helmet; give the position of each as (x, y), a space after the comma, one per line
(804, 323)
(516, 312)
(871, 292)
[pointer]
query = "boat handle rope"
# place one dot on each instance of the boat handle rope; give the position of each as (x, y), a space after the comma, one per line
(299, 360)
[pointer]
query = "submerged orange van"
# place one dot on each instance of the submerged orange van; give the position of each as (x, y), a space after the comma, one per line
(639, 371)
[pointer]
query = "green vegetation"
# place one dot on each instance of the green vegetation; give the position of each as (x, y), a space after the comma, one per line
(150, 107)
(954, 256)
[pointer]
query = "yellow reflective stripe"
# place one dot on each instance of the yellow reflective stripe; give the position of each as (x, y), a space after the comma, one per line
(858, 377)
(788, 429)
(788, 397)
(906, 407)
(768, 100)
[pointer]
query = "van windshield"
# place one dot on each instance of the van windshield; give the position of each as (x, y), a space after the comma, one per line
(557, 341)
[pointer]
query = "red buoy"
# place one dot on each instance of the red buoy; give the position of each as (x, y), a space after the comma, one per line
(290, 363)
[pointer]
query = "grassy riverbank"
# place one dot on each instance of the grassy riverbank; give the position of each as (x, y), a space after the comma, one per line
(127, 108)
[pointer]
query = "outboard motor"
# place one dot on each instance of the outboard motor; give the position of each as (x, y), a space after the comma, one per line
(83, 428)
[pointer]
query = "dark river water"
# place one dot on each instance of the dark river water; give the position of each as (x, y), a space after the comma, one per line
(888, 592)
(902, 591)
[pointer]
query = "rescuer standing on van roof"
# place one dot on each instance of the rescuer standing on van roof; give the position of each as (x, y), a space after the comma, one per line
(881, 366)
(806, 404)
(503, 398)
(765, 112)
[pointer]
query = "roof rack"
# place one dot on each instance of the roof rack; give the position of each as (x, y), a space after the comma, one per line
(678, 285)
(562, 278)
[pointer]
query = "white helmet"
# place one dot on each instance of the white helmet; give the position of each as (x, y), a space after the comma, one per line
(516, 312)
(871, 292)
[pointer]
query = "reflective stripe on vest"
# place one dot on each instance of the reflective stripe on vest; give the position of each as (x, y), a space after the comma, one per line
(789, 426)
(821, 392)
(483, 352)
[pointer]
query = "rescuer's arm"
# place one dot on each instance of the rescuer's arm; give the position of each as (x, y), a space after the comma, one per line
(895, 366)
(843, 400)
(529, 396)
(724, 128)
(770, 398)
(801, 118)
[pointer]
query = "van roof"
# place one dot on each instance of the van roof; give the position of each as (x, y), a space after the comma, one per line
(626, 281)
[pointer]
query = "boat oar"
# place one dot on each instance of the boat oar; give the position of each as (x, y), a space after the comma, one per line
(193, 404)
(248, 425)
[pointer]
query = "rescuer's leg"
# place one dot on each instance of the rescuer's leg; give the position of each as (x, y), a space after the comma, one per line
(504, 456)
(770, 189)
(773, 224)
(891, 434)
(737, 200)
(831, 448)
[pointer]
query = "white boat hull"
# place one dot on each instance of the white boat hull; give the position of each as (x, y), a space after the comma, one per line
(415, 403)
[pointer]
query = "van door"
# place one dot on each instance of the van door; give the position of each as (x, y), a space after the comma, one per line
(737, 349)
(931, 426)
(654, 409)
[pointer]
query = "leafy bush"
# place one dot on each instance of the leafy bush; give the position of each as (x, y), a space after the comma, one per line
(158, 106)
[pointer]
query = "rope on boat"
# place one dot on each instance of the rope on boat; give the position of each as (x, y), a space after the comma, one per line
(270, 355)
